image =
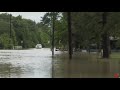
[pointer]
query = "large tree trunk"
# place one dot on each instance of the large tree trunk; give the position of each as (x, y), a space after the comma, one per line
(106, 45)
(69, 34)
(105, 38)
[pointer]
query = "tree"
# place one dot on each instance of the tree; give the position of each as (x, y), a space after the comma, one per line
(69, 34)
(105, 37)
(24, 30)
(4, 41)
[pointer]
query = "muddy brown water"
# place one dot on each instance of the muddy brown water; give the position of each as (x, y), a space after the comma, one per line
(38, 63)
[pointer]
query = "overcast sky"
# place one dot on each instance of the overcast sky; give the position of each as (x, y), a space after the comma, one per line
(28, 15)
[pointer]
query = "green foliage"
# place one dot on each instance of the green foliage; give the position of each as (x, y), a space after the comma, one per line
(86, 27)
(24, 32)
(5, 41)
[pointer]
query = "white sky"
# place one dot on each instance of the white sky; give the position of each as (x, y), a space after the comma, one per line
(35, 16)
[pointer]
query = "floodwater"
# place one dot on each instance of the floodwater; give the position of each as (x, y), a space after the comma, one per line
(84, 65)
(38, 63)
(33, 63)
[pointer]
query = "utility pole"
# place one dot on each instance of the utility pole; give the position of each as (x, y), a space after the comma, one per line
(11, 35)
(10, 32)
(69, 34)
(53, 29)
(10, 26)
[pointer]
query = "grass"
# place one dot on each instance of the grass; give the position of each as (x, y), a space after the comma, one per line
(89, 56)
(115, 55)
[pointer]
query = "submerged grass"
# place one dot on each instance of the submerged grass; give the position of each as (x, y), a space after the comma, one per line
(88, 56)
(86, 65)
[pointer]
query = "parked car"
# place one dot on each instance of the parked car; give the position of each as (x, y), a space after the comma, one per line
(38, 46)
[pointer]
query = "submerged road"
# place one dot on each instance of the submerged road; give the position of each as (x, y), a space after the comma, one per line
(32, 63)
(38, 63)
